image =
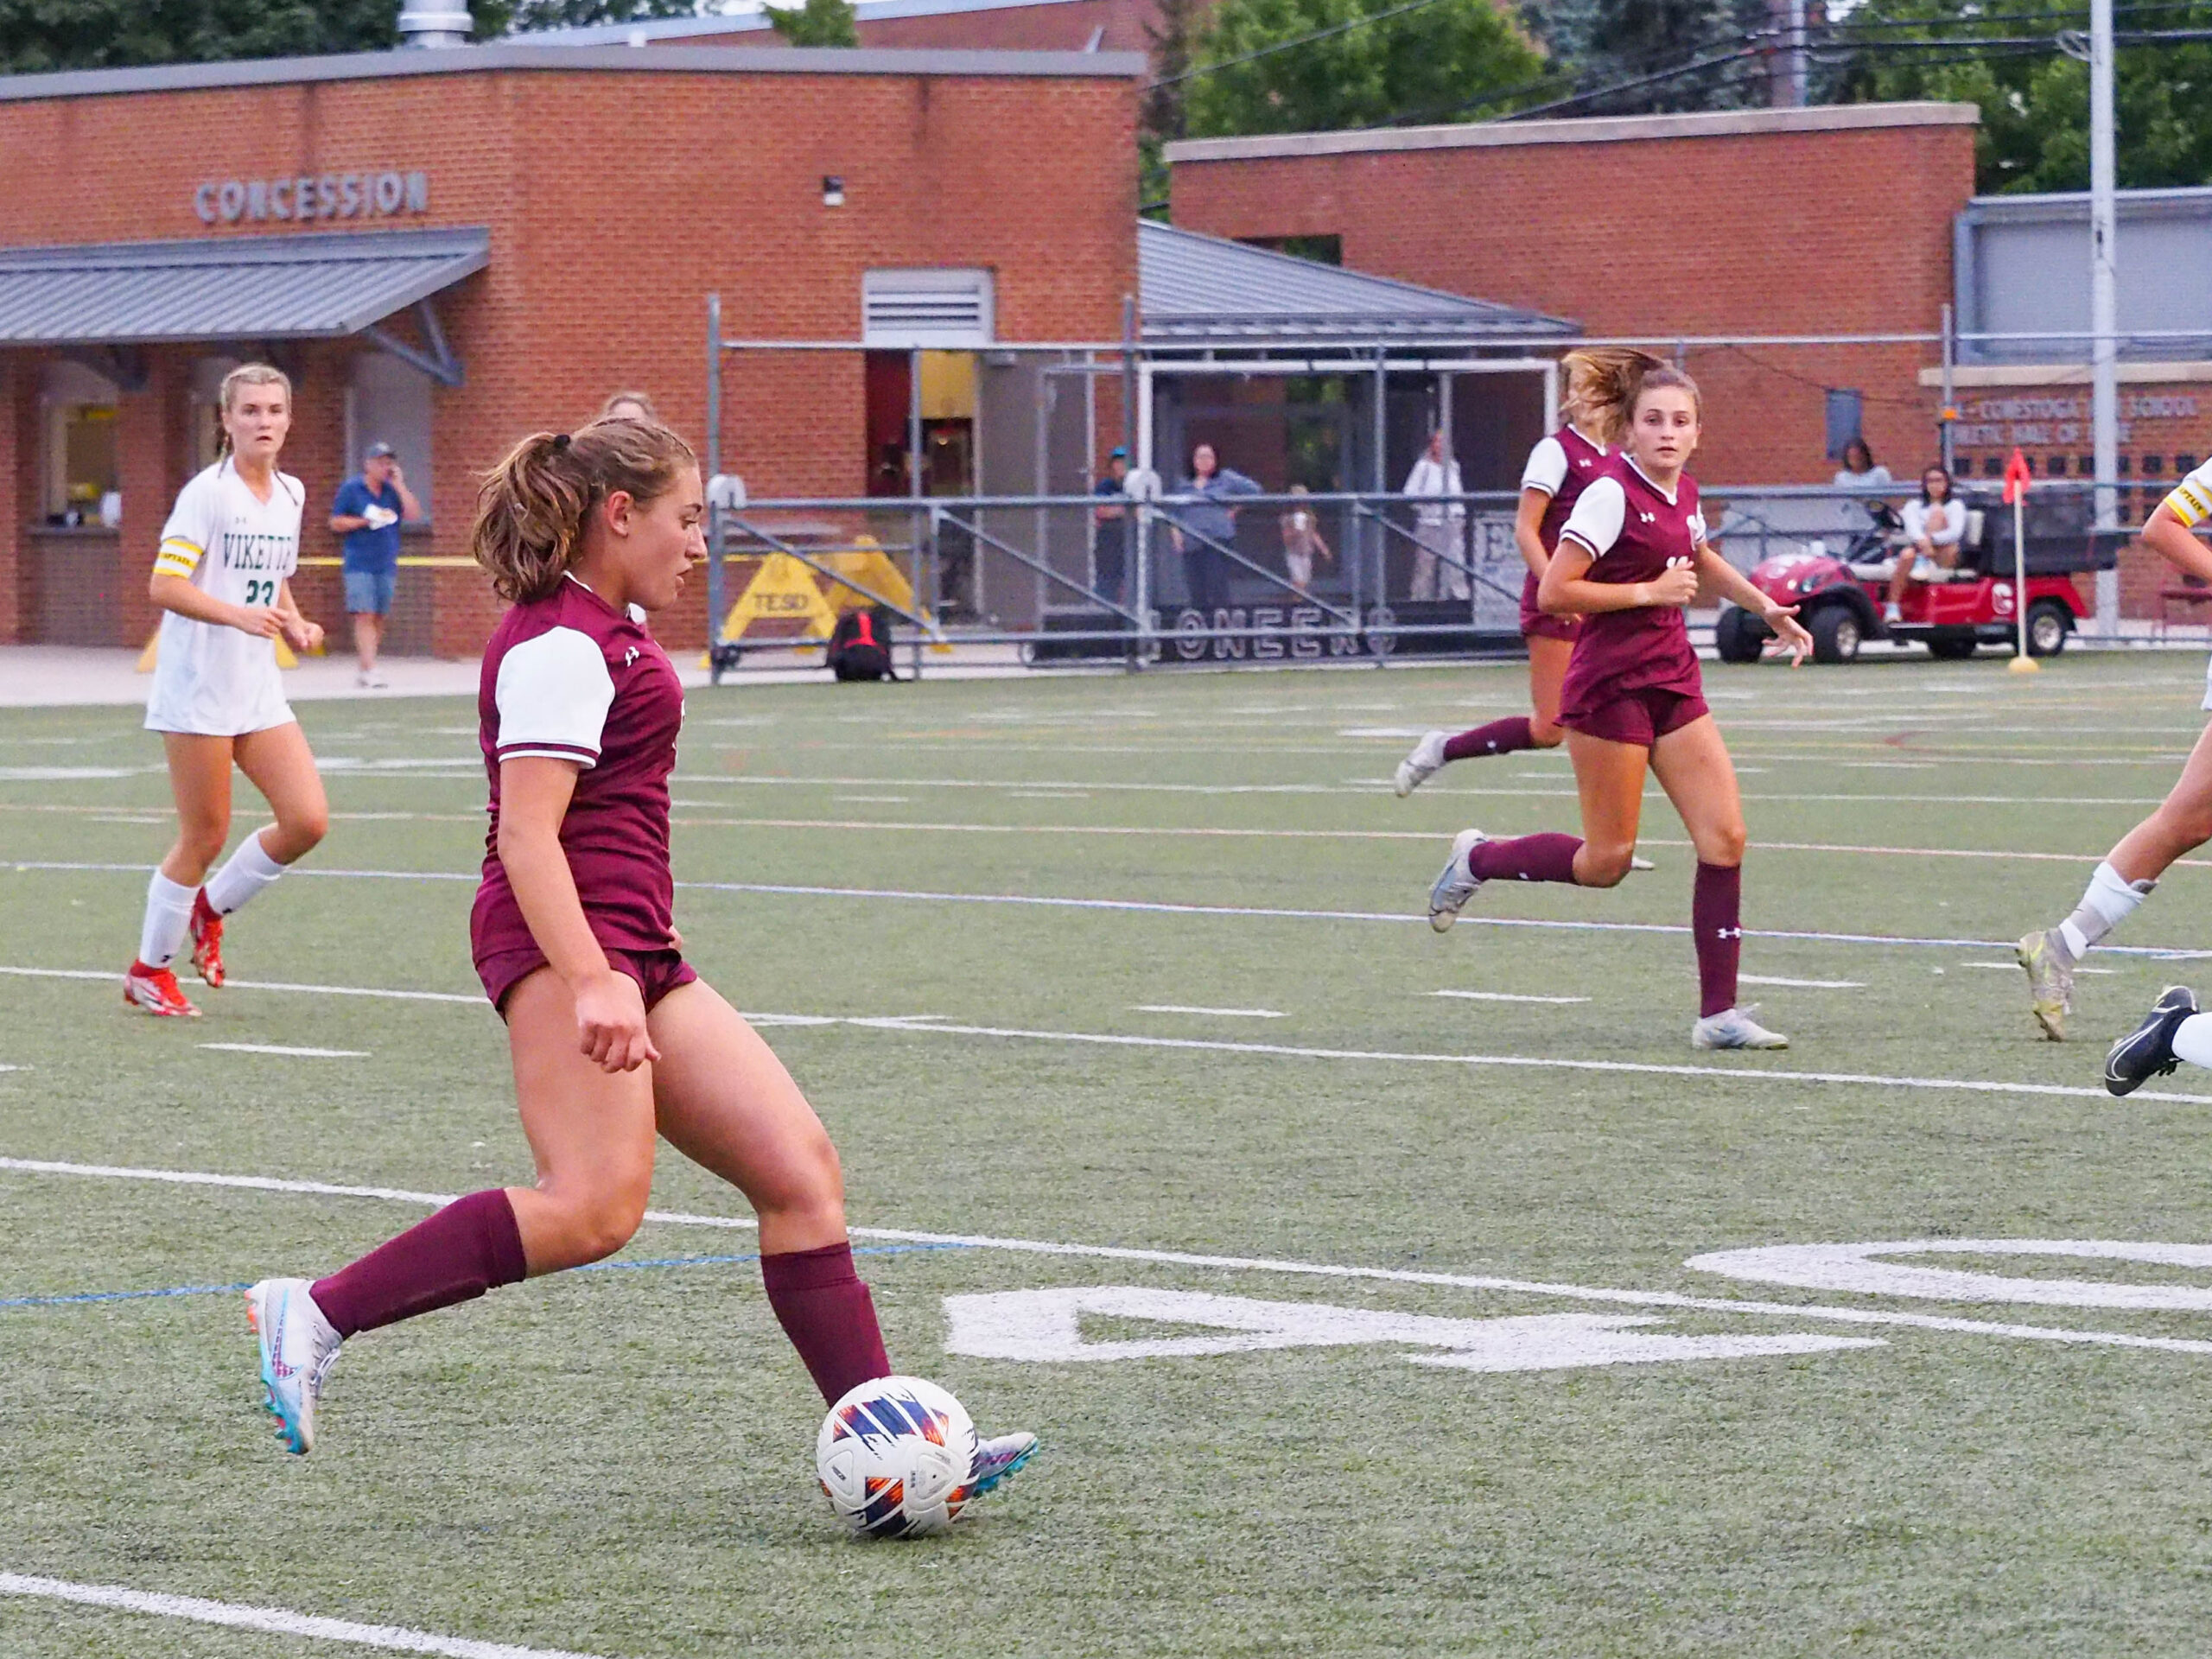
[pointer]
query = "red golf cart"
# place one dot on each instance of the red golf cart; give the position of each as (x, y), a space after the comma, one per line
(1840, 598)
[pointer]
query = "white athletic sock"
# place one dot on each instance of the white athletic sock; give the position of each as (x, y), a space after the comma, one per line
(2193, 1039)
(169, 913)
(246, 872)
(2110, 900)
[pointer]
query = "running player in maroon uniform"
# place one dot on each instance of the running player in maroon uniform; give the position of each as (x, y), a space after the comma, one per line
(1629, 559)
(614, 1038)
(1560, 468)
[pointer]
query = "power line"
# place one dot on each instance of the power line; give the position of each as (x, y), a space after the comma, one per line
(1284, 46)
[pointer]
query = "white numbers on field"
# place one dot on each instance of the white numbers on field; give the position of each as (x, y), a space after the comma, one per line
(1045, 1326)
(1858, 1267)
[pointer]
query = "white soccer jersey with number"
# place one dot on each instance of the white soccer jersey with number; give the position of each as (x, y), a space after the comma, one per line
(230, 544)
(2190, 501)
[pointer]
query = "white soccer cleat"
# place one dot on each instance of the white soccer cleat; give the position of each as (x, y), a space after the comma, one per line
(297, 1347)
(1423, 763)
(997, 1459)
(1734, 1028)
(1449, 893)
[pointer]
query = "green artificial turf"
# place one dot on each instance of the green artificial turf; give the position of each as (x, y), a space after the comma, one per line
(619, 1462)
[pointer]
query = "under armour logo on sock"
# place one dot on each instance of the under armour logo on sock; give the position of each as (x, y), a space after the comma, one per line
(1728, 933)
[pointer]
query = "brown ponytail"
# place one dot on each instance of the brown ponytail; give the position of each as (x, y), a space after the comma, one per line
(1602, 382)
(533, 507)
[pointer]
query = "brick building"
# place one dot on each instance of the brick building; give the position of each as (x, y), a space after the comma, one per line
(992, 25)
(499, 237)
(1751, 222)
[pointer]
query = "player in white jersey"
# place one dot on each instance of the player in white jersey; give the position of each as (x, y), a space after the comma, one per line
(223, 576)
(2181, 825)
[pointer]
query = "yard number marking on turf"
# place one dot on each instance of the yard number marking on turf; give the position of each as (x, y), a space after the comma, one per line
(278, 1048)
(1857, 1267)
(275, 1620)
(1045, 1327)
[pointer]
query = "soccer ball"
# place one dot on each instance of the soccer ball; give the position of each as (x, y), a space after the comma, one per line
(893, 1456)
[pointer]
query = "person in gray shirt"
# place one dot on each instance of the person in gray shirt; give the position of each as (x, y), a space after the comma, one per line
(1203, 508)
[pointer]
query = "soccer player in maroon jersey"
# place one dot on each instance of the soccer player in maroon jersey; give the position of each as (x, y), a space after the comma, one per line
(1559, 467)
(616, 1041)
(1629, 559)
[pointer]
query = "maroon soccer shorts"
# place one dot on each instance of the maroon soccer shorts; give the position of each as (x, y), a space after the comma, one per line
(1535, 624)
(1641, 717)
(657, 972)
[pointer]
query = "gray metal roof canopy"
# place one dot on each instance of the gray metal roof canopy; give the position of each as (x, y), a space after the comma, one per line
(1199, 288)
(313, 286)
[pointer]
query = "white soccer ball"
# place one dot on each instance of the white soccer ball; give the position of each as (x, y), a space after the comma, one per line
(893, 1456)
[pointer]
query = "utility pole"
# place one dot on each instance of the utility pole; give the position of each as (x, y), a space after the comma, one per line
(2104, 304)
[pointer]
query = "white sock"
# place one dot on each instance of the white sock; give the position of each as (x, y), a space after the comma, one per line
(2110, 900)
(2193, 1039)
(169, 914)
(244, 873)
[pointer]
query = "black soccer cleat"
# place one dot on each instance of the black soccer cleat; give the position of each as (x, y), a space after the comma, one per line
(2148, 1050)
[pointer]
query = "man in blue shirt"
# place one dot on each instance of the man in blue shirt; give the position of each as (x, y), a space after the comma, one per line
(367, 513)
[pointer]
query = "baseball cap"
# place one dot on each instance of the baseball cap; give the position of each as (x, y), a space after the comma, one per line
(1117, 453)
(377, 451)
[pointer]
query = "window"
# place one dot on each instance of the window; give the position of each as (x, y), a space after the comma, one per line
(77, 409)
(947, 310)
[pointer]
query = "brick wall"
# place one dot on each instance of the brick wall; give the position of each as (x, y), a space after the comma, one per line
(1764, 231)
(616, 201)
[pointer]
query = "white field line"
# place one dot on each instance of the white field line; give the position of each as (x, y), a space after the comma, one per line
(1225, 1014)
(1806, 984)
(259, 985)
(1506, 996)
(391, 1637)
(1229, 1263)
(2014, 967)
(278, 1048)
(1138, 907)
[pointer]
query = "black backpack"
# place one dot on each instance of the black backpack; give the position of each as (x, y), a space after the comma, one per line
(860, 645)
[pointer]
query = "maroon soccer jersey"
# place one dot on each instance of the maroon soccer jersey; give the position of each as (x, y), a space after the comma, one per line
(1634, 532)
(1562, 466)
(571, 678)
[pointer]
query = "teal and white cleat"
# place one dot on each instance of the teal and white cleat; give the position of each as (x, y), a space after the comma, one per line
(1423, 763)
(1448, 894)
(297, 1347)
(996, 1458)
(1734, 1028)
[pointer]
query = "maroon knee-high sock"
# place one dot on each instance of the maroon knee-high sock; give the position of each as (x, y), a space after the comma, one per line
(1716, 920)
(469, 1246)
(1499, 737)
(827, 1312)
(1548, 857)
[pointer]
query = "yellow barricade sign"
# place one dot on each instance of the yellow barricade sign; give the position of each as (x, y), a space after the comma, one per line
(782, 591)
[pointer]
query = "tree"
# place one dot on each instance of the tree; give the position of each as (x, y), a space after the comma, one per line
(1426, 61)
(816, 23)
(1623, 55)
(39, 35)
(2034, 100)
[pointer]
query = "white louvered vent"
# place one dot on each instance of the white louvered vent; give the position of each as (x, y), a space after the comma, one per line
(940, 311)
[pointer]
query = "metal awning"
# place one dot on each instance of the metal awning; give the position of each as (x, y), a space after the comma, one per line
(1199, 288)
(313, 286)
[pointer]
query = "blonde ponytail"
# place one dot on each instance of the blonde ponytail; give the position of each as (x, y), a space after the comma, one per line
(1602, 382)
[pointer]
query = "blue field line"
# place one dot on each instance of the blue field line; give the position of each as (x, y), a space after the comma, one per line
(593, 1267)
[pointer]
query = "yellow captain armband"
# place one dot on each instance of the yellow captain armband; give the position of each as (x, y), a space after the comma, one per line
(177, 557)
(2190, 502)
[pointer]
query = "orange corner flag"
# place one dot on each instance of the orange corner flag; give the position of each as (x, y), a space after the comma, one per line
(2017, 477)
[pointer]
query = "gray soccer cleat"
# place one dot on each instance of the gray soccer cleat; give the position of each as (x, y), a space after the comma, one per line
(1734, 1028)
(1449, 893)
(1423, 763)
(2050, 981)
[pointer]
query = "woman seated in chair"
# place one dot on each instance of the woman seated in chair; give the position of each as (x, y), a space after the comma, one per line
(1934, 526)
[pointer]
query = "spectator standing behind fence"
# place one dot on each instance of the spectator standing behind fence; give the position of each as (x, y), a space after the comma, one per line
(1302, 543)
(1439, 525)
(367, 513)
(1860, 466)
(1204, 513)
(1110, 539)
(1934, 526)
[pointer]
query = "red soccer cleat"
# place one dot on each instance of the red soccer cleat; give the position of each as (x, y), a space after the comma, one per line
(155, 989)
(206, 940)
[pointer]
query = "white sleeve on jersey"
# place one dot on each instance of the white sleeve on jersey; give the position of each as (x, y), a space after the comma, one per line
(192, 528)
(2190, 500)
(553, 694)
(1598, 517)
(1699, 534)
(1547, 467)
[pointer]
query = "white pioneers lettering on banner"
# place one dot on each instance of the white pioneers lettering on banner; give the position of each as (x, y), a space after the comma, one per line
(1045, 1326)
(371, 195)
